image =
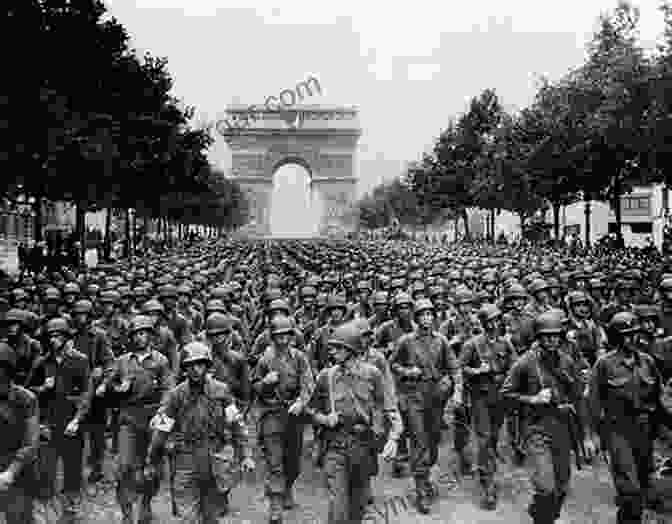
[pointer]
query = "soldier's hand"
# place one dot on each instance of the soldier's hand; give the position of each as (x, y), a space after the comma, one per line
(100, 390)
(6, 480)
(296, 408)
(271, 377)
(591, 448)
(390, 450)
(97, 373)
(248, 465)
(72, 428)
(484, 368)
(543, 397)
(331, 420)
(124, 387)
(414, 372)
(49, 382)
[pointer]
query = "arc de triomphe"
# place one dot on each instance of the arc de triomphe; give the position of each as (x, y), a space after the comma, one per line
(321, 139)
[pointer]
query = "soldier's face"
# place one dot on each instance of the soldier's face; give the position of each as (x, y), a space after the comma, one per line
(183, 300)
(425, 319)
(141, 338)
(338, 354)
(550, 341)
(404, 311)
(282, 340)
(308, 302)
(336, 314)
(582, 309)
(648, 325)
(108, 309)
(381, 309)
(196, 372)
(543, 297)
(56, 340)
(81, 319)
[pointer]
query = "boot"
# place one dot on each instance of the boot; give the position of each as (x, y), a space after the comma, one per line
(275, 509)
(288, 501)
(145, 516)
(422, 501)
(224, 504)
(488, 497)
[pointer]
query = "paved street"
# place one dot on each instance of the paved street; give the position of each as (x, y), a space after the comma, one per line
(590, 502)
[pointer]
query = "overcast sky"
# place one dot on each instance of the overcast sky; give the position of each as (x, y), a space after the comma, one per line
(409, 67)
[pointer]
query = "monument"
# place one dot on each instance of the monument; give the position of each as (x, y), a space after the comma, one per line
(321, 139)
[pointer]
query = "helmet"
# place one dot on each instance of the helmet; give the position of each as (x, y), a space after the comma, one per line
(463, 296)
(401, 299)
(168, 291)
(577, 297)
(215, 305)
(279, 305)
(347, 335)
(549, 322)
(82, 306)
(71, 289)
(7, 356)
(538, 285)
(646, 311)
(140, 322)
(196, 352)
(665, 286)
(218, 323)
(623, 323)
(52, 294)
(308, 291)
(152, 306)
(110, 297)
(421, 305)
(380, 298)
(58, 325)
(16, 315)
(281, 326)
(488, 312)
(513, 292)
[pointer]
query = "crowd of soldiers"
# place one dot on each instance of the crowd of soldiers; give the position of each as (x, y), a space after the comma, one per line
(376, 347)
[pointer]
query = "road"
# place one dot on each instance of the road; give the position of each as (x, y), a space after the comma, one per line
(590, 500)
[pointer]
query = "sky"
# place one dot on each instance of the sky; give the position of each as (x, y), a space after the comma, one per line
(408, 67)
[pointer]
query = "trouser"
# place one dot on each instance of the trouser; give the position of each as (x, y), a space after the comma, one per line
(461, 432)
(16, 505)
(347, 476)
(282, 449)
(548, 459)
(95, 430)
(71, 451)
(487, 420)
(421, 445)
(133, 444)
(630, 446)
(196, 493)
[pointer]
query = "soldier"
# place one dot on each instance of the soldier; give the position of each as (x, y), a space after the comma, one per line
(186, 309)
(211, 438)
(283, 383)
(111, 322)
(588, 336)
(163, 337)
(61, 381)
(336, 310)
(26, 349)
(546, 385)
(485, 360)
(168, 296)
(350, 403)
(20, 429)
(625, 399)
(139, 378)
(306, 316)
(229, 364)
(427, 373)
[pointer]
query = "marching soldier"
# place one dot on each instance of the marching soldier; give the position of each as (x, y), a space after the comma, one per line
(625, 398)
(350, 403)
(485, 360)
(211, 439)
(20, 429)
(427, 373)
(546, 385)
(139, 379)
(283, 382)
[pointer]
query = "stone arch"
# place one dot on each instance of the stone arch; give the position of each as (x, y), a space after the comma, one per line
(320, 139)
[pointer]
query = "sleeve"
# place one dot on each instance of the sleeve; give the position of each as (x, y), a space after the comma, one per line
(88, 392)
(390, 407)
(399, 358)
(166, 379)
(31, 438)
(307, 380)
(512, 388)
(467, 359)
(244, 380)
(257, 377)
(103, 352)
(452, 368)
(318, 404)
(595, 395)
(170, 349)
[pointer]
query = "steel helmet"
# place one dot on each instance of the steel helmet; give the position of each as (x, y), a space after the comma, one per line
(424, 304)
(488, 312)
(196, 352)
(380, 298)
(623, 323)
(82, 306)
(279, 305)
(71, 288)
(152, 306)
(141, 322)
(215, 306)
(218, 323)
(281, 326)
(336, 302)
(347, 335)
(401, 299)
(514, 291)
(16, 315)
(109, 297)
(463, 295)
(549, 322)
(58, 325)
(577, 297)
(537, 285)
